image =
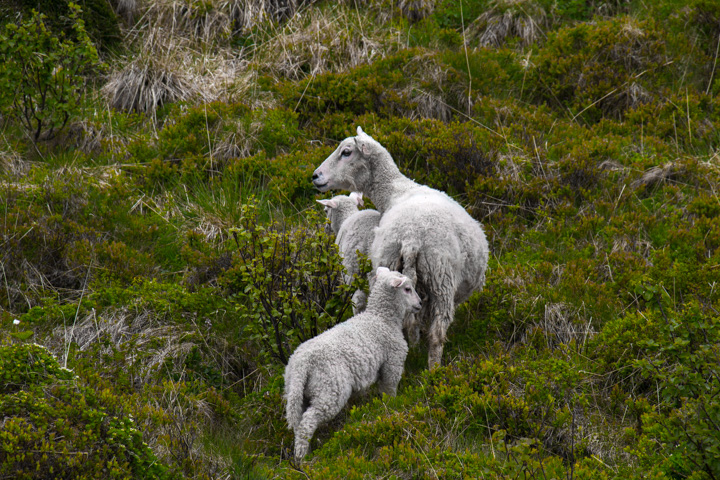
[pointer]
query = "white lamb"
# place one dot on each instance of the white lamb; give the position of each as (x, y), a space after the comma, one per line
(369, 347)
(451, 248)
(354, 231)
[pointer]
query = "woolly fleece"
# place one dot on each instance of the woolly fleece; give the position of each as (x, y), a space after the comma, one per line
(324, 371)
(452, 251)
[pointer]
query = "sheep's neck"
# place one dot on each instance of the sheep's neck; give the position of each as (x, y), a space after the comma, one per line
(387, 183)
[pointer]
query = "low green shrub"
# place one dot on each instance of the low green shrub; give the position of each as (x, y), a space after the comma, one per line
(597, 69)
(54, 426)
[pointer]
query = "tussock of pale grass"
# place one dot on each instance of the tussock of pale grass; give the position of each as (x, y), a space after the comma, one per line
(207, 22)
(114, 328)
(248, 14)
(147, 83)
(13, 165)
(561, 325)
(318, 41)
(521, 19)
(657, 175)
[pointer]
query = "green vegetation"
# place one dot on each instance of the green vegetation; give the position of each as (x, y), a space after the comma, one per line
(163, 254)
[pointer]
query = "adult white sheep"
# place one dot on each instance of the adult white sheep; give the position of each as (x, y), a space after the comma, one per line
(354, 231)
(452, 251)
(324, 371)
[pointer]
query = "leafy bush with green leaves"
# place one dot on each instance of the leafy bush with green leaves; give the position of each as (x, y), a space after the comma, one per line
(44, 92)
(286, 281)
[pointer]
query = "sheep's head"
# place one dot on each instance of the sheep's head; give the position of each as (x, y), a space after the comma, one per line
(348, 167)
(340, 207)
(402, 286)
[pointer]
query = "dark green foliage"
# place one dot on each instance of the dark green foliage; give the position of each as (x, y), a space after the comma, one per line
(97, 15)
(44, 92)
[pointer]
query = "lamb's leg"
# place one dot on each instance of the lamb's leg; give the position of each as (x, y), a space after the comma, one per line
(311, 419)
(321, 410)
(389, 378)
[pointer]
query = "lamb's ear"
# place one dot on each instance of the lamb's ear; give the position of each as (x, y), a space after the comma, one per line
(397, 281)
(328, 203)
(382, 270)
(359, 130)
(358, 197)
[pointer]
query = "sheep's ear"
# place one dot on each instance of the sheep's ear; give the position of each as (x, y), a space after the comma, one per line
(328, 203)
(362, 141)
(358, 197)
(382, 270)
(397, 281)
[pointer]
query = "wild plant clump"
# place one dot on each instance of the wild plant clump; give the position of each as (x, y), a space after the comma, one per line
(44, 92)
(45, 434)
(293, 275)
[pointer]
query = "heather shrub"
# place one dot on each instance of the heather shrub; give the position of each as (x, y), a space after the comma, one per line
(596, 70)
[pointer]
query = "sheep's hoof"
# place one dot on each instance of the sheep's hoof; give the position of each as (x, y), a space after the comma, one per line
(301, 449)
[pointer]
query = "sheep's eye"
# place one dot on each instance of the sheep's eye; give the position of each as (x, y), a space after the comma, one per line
(408, 289)
(345, 153)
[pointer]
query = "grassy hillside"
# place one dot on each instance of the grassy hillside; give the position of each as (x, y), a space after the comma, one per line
(163, 254)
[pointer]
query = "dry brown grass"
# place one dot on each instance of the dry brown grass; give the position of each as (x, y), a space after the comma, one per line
(521, 19)
(316, 41)
(13, 165)
(657, 175)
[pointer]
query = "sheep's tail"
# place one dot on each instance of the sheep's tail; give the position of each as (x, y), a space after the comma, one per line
(408, 255)
(296, 375)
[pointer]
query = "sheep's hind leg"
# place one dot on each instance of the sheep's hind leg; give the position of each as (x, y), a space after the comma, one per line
(443, 311)
(321, 410)
(311, 419)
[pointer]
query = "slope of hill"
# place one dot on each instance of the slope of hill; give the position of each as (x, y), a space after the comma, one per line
(163, 253)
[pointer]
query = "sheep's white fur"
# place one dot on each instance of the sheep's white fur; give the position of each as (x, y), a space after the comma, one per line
(354, 231)
(324, 371)
(450, 246)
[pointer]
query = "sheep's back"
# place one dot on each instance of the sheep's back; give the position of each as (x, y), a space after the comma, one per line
(445, 232)
(349, 353)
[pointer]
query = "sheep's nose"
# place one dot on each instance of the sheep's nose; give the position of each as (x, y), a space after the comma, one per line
(315, 176)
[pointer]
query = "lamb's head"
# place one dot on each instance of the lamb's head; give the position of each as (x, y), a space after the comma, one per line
(349, 166)
(340, 207)
(400, 287)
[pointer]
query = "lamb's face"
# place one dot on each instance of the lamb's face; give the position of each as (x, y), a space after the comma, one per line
(340, 207)
(345, 169)
(404, 291)
(410, 296)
